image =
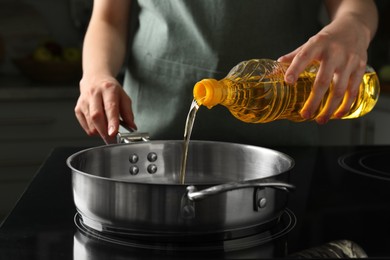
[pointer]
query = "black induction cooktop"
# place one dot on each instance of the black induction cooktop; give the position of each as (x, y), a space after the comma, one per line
(342, 193)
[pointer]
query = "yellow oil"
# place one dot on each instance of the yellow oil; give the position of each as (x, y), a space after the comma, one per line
(264, 97)
(255, 92)
(187, 134)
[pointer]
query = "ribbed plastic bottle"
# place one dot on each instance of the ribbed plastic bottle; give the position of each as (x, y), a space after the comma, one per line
(254, 91)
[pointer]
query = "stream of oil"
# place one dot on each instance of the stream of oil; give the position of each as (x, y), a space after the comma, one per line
(187, 134)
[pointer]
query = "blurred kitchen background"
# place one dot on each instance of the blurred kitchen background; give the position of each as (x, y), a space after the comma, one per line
(37, 102)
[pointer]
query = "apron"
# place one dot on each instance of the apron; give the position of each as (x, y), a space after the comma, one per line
(175, 43)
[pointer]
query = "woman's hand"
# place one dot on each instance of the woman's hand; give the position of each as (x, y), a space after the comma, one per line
(341, 48)
(102, 102)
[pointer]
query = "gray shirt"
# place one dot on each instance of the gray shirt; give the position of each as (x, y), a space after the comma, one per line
(176, 43)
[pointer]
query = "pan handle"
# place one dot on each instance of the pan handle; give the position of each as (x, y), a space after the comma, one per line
(131, 136)
(195, 195)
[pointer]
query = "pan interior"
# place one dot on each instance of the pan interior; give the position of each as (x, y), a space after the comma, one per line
(159, 162)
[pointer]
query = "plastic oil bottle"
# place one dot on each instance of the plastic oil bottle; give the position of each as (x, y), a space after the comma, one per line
(254, 91)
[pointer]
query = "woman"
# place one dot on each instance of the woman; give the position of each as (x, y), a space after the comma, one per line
(170, 45)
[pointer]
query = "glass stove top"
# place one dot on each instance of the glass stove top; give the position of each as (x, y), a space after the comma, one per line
(333, 200)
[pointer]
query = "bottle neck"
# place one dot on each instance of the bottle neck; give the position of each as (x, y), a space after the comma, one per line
(208, 92)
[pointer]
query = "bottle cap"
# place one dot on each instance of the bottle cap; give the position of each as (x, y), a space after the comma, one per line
(208, 92)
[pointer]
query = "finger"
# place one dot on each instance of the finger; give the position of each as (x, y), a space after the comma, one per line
(302, 58)
(83, 122)
(127, 112)
(111, 103)
(351, 93)
(81, 110)
(320, 87)
(98, 117)
(289, 56)
(335, 97)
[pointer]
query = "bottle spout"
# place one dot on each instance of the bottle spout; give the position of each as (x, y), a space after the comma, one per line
(208, 92)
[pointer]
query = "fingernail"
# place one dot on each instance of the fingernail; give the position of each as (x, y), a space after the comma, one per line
(290, 79)
(305, 114)
(339, 114)
(322, 120)
(111, 130)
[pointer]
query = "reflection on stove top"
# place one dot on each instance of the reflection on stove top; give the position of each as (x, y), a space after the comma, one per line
(371, 163)
(92, 244)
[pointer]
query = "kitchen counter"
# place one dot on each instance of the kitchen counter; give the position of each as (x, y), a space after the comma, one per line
(330, 203)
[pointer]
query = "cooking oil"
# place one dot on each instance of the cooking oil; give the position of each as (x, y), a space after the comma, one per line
(187, 134)
(254, 91)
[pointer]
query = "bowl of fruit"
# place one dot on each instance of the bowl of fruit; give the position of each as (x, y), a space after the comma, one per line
(51, 63)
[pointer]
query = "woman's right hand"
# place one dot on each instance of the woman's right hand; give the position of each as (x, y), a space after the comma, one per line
(100, 106)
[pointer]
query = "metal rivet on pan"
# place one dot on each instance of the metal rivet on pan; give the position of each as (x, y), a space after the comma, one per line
(134, 170)
(152, 168)
(188, 212)
(133, 158)
(152, 157)
(262, 202)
